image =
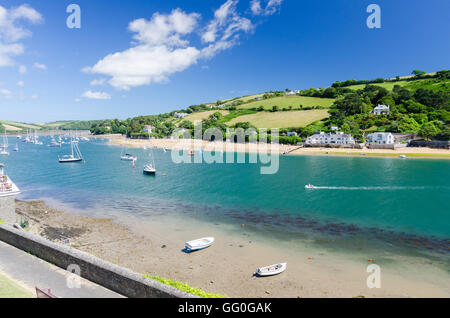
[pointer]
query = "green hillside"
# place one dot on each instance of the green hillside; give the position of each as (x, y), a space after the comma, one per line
(418, 104)
(294, 101)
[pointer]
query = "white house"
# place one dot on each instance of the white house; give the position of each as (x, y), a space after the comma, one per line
(148, 128)
(292, 93)
(381, 110)
(179, 115)
(381, 138)
(338, 138)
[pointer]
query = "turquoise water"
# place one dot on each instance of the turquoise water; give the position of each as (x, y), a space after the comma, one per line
(383, 198)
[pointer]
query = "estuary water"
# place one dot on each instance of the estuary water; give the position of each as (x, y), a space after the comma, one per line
(405, 203)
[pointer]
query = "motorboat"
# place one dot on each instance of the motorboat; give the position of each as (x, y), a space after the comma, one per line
(128, 157)
(7, 187)
(310, 186)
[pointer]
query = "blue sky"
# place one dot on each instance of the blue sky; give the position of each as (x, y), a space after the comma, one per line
(204, 51)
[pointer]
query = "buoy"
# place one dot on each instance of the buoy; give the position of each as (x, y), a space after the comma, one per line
(370, 260)
(310, 258)
(242, 225)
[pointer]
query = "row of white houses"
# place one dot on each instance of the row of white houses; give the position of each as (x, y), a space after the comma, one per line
(337, 138)
(340, 138)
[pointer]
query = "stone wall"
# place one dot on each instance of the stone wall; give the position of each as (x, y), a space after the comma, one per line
(345, 146)
(113, 277)
(8, 209)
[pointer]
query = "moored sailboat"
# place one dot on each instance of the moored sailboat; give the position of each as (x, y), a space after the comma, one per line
(76, 155)
(149, 168)
(4, 147)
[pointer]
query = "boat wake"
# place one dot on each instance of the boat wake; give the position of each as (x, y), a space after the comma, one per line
(374, 188)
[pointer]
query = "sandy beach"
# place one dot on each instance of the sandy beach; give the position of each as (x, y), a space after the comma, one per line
(154, 247)
(189, 144)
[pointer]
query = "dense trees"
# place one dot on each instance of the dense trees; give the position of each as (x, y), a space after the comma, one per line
(423, 111)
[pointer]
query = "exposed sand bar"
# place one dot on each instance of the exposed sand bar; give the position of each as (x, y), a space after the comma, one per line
(154, 246)
(189, 144)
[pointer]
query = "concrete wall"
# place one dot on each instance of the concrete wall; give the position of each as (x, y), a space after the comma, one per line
(393, 146)
(113, 277)
(8, 209)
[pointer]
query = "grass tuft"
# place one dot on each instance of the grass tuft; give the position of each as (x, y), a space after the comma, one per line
(184, 287)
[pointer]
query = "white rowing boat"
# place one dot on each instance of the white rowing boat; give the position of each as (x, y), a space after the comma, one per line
(271, 270)
(199, 244)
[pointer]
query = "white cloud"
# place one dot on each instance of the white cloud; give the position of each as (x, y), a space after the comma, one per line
(5, 92)
(98, 82)
(226, 23)
(7, 51)
(160, 51)
(22, 69)
(40, 66)
(271, 7)
(163, 47)
(255, 6)
(164, 29)
(20, 83)
(96, 95)
(11, 31)
(34, 96)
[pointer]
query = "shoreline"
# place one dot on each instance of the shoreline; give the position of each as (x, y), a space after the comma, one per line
(292, 150)
(153, 247)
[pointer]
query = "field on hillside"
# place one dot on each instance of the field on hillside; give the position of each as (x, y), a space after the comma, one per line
(15, 126)
(56, 124)
(244, 98)
(11, 128)
(388, 85)
(282, 119)
(203, 115)
(286, 101)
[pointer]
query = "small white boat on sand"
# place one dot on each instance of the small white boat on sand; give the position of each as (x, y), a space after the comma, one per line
(310, 186)
(271, 270)
(199, 244)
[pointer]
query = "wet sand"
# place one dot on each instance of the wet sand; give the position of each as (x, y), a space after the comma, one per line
(154, 246)
(189, 144)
